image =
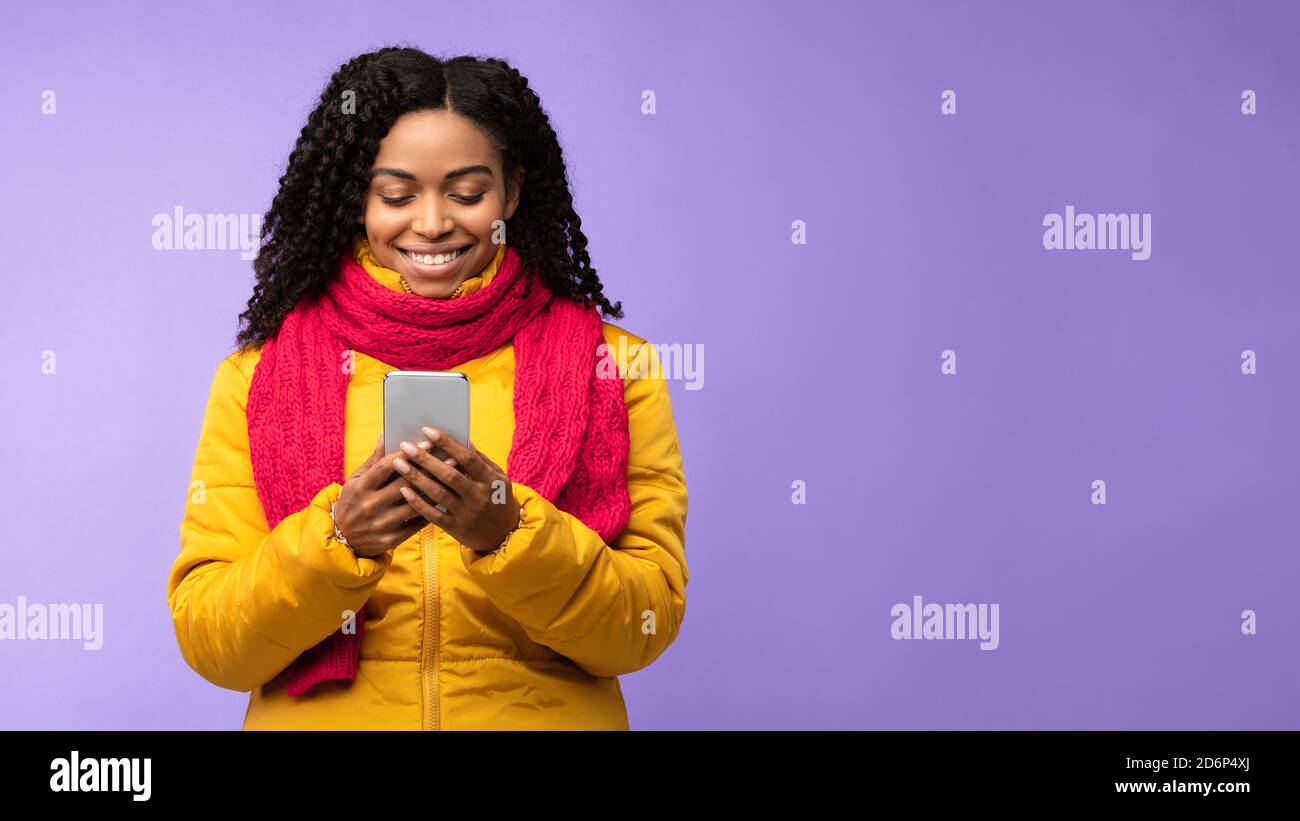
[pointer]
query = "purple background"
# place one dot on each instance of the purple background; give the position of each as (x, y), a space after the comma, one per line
(822, 361)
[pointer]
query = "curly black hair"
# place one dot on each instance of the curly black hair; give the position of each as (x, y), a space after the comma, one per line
(314, 214)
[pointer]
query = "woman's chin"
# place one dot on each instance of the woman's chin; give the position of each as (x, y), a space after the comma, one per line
(433, 290)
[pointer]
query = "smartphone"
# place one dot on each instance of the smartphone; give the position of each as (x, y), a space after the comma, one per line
(413, 399)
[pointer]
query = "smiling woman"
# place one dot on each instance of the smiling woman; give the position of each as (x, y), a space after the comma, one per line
(430, 229)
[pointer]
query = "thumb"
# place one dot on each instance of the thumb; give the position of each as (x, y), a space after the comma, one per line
(375, 456)
(379, 451)
(485, 458)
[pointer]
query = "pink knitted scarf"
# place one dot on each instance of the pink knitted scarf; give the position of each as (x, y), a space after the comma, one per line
(570, 439)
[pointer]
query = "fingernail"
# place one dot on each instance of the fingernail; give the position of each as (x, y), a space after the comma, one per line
(425, 444)
(432, 434)
(410, 449)
(401, 465)
(406, 491)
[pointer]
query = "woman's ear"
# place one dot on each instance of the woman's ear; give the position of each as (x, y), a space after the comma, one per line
(516, 190)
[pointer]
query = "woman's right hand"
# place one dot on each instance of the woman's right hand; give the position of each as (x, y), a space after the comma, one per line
(371, 512)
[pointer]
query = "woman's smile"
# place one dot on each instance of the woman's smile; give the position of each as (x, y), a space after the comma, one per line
(433, 266)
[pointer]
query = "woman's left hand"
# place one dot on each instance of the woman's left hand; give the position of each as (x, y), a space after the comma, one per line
(479, 497)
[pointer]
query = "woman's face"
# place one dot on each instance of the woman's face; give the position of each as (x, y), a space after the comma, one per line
(436, 186)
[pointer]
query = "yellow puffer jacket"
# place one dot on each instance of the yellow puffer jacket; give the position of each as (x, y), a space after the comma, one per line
(531, 637)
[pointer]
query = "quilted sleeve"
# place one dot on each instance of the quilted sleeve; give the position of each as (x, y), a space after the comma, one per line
(612, 609)
(247, 600)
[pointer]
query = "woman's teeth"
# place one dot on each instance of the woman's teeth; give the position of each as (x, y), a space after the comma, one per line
(434, 259)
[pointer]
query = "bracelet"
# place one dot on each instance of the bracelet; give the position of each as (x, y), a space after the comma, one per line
(338, 534)
(510, 532)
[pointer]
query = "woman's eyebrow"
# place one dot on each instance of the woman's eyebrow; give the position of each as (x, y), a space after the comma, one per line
(407, 175)
(392, 172)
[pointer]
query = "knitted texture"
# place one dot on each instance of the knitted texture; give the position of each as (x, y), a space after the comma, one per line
(570, 442)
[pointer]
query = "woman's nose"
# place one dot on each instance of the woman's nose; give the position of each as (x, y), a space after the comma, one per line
(432, 221)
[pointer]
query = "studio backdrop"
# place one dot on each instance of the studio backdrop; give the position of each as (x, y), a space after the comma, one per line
(980, 323)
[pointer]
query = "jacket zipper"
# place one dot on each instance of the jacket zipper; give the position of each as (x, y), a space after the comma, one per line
(429, 670)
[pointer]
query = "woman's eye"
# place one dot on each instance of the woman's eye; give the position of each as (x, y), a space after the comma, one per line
(399, 200)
